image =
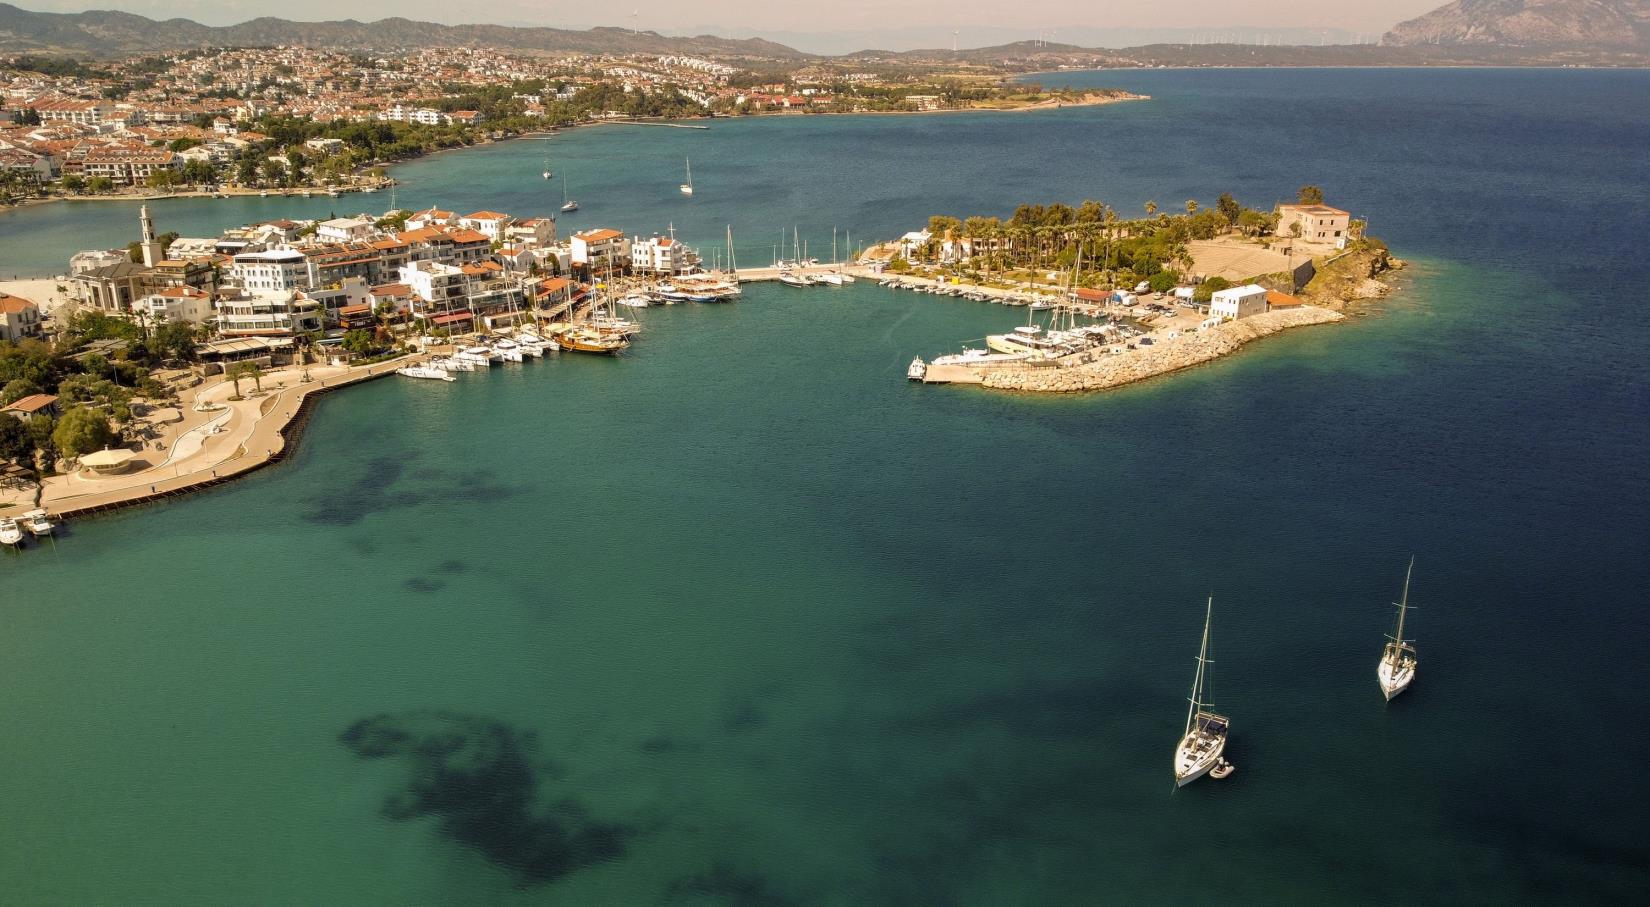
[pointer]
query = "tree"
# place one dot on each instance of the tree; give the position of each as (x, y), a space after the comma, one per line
(1208, 288)
(174, 340)
(1151, 209)
(1229, 208)
(1191, 206)
(82, 431)
(98, 185)
(74, 183)
(16, 389)
(1164, 281)
(197, 172)
(1310, 195)
(16, 444)
(237, 371)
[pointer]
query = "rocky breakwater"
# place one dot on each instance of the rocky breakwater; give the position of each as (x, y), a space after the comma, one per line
(1100, 369)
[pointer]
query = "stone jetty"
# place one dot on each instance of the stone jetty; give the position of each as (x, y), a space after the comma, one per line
(1100, 368)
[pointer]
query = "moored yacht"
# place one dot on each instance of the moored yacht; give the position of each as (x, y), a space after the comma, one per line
(1398, 662)
(424, 371)
(917, 370)
(10, 534)
(795, 280)
(1204, 741)
(508, 350)
(38, 523)
(477, 355)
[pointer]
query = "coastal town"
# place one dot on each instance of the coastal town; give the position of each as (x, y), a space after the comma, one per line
(294, 119)
(180, 362)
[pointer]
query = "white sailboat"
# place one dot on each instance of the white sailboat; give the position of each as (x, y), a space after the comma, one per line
(687, 187)
(567, 204)
(1203, 743)
(1397, 668)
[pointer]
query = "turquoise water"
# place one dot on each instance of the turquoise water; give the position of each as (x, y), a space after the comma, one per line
(742, 617)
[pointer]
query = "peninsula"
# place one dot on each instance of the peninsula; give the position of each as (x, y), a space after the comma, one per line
(1132, 299)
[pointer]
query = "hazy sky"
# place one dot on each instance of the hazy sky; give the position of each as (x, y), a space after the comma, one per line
(913, 18)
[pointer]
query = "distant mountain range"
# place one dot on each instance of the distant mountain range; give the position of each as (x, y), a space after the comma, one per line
(104, 33)
(1618, 25)
(1466, 32)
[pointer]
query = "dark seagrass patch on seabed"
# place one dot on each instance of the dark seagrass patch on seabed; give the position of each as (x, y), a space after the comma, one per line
(479, 778)
(723, 884)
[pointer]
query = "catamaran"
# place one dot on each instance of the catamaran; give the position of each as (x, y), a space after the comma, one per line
(1397, 668)
(1201, 747)
(687, 187)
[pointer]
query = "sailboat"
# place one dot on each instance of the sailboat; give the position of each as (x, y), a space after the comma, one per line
(687, 187)
(1397, 668)
(1203, 743)
(567, 204)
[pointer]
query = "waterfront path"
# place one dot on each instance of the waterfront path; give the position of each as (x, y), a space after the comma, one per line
(254, 436)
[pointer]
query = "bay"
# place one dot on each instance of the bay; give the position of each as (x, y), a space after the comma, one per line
(743, 617)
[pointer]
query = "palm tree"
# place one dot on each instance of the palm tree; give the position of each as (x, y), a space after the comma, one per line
(1191, 206)
(1151, 209)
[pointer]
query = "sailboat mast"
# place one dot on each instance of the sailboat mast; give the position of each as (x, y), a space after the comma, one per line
(1202, 658)
(1403, 603)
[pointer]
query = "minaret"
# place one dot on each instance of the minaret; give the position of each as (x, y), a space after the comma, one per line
(152, 251)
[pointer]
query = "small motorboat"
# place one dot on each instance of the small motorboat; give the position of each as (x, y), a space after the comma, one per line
(1222, 769)
(10, 534)
(424, 371)
(38, 523)
(917, 369)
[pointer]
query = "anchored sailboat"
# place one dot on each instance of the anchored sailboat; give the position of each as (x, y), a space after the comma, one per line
(1397, 668)
(687, 187)
(567, 204)
(1201, 747)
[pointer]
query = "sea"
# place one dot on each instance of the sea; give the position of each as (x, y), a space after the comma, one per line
(742, 617)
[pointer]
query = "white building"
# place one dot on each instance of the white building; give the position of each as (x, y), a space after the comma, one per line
(19, 318)
(659, 255)
(1238, 302)
(185, 304)
(533, 232)
(273, 271)
(441, 286)
(598, 249)
(271, 315)
(346, 229)
(490, 224)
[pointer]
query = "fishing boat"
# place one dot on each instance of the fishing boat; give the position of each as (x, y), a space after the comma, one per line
(1204, 742)
(917, 370)
(10, 534)
(1397, 668)
(38, 523)
(424, 371)
(687, 187)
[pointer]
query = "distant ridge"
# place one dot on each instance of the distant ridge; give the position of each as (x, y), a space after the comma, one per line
(106, 33)
(1605, 25)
